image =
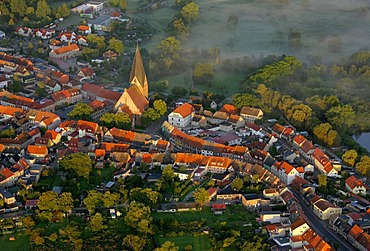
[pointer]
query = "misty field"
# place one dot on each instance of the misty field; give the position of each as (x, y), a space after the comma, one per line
(263, 27)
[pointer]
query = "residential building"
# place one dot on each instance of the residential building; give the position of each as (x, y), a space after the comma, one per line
(66, 52)
(325, 209)
(182, 115)
(250, 114)
(355, 185)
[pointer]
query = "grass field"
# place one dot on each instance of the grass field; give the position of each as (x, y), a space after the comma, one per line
(20, 244)
(235, 216)
(199, 243)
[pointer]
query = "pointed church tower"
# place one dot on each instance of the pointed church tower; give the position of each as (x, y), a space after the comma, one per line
(137, 75)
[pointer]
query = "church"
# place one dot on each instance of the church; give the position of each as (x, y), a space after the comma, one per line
(134, 100)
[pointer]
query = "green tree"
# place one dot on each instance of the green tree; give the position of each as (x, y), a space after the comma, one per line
(237, 184)
(190, 12)
(50, 202)
(167, 246)
(123, 5)
(203, 72)
(170, 46)
(255, 244)
(134, 242)
(109, 199)
(18, 7)
(107, 120)
(97, 42)
(115, 45)
(149, 116)
(43, 10)
(160, 86)
(342, 117)
(178, 91)
(96, 223)
(168, 173)
(322, 180)
(160, 106)
(92, 200)
(81, 111)
(79, 163)
(245, 99)
(349, 157)
(147, 196)
(64, 10)
(122, 121)
(177, 27)
(201, 196)
(30, 10)
(363, 166)
(138, 217)
(324, 133)
(8, 133)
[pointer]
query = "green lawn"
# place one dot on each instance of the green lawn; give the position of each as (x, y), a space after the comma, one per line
(20, 244)
(235, 216)
(199, 243)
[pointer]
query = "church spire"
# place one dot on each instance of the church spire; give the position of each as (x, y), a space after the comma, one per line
(137, 75)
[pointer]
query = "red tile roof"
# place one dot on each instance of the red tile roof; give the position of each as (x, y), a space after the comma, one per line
(87, 71)
(229, 109)
(65, 49)
(184, 110)
(299, 139)
(355, 231)
(353, 182)
(37, 150)
(88, 126)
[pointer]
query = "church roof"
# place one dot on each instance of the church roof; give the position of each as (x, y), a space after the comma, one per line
(137, 97)
(137, 69)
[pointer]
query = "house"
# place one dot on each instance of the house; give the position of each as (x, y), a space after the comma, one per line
(54, 136)
(322, 162)
(37, 151)
(229, 109)
(66, 52)
(218, 208)
(2, 35)
(285, 172)
(31, 204)
(218, 117)
(7, 197)
(86, 72)
(359, 238)
(250, 114)
(198, 121)
(355, 185)
(60, 77)
(84, 29)
(23, 31)
(236, 121)
(5, 81)
(182, 115)
(52, 86)
(298, 228)
(67, 37)
(270, 216)
(325, 209)
(67, 97)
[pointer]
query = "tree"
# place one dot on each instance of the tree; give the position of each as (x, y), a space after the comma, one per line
(201, 196)
(177, 27)
(190, 12)
(232, 22)
(50, 202)
(29, 223)
(123, 5)
(96, 223)
(363, 166)
(167, 246)
(43, 10)
(178, 91)
(168, 173)
(81, 111)
(255, 244)
(160, 106)
(92, 200)
(203, 72)
(134, 242)
(342, 117)
(8, 133)
(97, 42)
(245, 99)
(115, 45)
(324, 133)
(109, 199)
(160, 86)
(322, 180)
(169, 47)
(349, 157)
(18, 7)
(149, 116)
(107, 120)
(147, 196)
(237, 184)
(294, 40)
(79, 163)
(138, 217)
(30, 10)
(122, 121)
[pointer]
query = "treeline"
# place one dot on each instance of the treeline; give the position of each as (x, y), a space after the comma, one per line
(313, 98)
(31, 12)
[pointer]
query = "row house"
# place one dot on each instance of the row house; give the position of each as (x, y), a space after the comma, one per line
(65, 52)
(100, 108)
(86, 72)
(5, 81)
(98, 92)
(359, 238)
(322, 162)
(282, 131)
(9, 176)
(37, 151)
(67, 97)
(285, 172)
(60, 77)
(250, 114)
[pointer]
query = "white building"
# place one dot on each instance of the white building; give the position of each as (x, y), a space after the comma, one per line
(182, 115)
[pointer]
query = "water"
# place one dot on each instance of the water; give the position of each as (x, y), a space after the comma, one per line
(363, 139)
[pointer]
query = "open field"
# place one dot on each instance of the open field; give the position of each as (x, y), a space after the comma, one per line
(20, 244)
(235, 216)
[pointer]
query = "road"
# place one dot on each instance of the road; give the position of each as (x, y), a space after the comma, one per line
(321, 227)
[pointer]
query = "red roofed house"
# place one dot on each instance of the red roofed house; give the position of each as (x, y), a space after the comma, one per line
(54, 136)
(182, 115)
(219, 164)
(322, 162)
(86, 128)
(325, 209)
(37, 151)
(359, 238)
(86, 72)
(69, 51)
(60, 77)
(355, 185)
(250, 114)
(84, 29)
(229, 109)
(285, 172)
(67, 97)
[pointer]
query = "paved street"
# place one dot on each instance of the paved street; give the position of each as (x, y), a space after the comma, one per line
(321, 227)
